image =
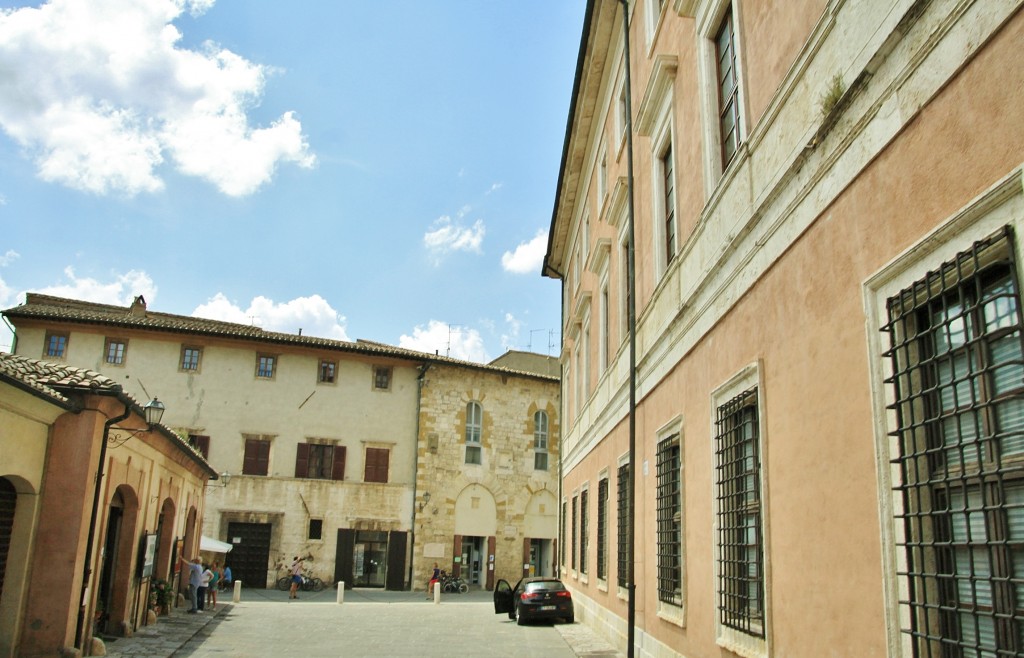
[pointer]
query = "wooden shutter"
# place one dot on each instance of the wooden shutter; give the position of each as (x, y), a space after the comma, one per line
(343, 555)
(256, 458)
(338, 468)
(302, 460)
(376, 465)
(457, 553)
(492, 543)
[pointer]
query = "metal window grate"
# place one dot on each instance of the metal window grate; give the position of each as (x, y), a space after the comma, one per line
(740, 541)
(575, 534)
(957, 361)
(670, 510)
(561, 546)
(584, 530)
(622, 528)
(602, 529)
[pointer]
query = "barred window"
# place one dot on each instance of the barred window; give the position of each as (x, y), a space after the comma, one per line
(622, 527)
(740, 538)
(670, 510)
(575, 534)
(602, 529)
(958, 379)
(584, 529)
(561, 547)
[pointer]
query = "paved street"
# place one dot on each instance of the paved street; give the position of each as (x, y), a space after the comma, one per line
(369, 623)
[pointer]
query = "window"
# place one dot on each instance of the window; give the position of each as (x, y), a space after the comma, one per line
(958, 378)
(328, 371)
(474, 430)
(381, 378)
(256, 460)
(316, 529)
(575, 533)
(265, 366)
(201, 443)
(602, 177)
(561, 548)
(114, 351)
(624, 288)
(622, 530)
(584, 529)
(540, 441)
(740, 539)
(728, 89)
(669, 529)
(669, 199)
(376, 465)
(320, 461)
(56, 345)
(620, 113)
(602, 529)
(191, 358)
(605, 341)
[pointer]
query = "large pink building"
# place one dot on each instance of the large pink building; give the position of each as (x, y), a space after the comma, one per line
(829, 374)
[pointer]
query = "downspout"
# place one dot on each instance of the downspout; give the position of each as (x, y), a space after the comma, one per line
(416, 466)
(631, 312)
(87, 571)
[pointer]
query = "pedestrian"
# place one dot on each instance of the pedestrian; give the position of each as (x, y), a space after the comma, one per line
(226, 580)
(195, 580)
(204, 585)
(434, 577)
(211, 587)
(296, 577)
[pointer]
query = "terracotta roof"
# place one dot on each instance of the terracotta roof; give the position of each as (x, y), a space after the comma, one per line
(137, 316)
(57, 381)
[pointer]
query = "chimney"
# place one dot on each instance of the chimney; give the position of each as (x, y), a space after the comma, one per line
(138, 308)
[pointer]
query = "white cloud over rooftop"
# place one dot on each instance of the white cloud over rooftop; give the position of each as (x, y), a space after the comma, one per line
(528, 257)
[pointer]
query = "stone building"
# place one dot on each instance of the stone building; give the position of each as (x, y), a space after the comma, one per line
(321, 439)
(487, 480)
(95, 507)
(827, 203)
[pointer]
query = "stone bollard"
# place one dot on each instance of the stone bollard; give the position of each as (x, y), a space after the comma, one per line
(236, 596)
(437, 593)
(341, 592)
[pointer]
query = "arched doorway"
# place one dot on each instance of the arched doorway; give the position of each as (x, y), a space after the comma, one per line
(540, 534)
(164, 539)
(476, 528)
(115, 576)
(8, 503)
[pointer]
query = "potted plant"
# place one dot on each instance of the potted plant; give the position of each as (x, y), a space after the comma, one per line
(159, 596)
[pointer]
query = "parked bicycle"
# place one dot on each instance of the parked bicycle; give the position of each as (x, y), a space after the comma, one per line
(452, 584)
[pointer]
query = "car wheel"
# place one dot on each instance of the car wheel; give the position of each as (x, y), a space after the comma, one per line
(570, 619)
(520, 621)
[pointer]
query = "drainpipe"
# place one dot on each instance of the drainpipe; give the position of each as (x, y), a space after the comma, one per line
(416, 465)
(631, 311)
(87, 571)
(548, 269)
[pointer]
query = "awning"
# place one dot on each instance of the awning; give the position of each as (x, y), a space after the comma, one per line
(213, 546)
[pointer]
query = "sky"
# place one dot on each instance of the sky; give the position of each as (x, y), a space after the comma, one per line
(380, 170)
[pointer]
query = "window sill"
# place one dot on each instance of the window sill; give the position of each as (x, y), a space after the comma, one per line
(672, 613)
(602, 585)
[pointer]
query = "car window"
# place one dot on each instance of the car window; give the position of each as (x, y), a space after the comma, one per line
(554, 585)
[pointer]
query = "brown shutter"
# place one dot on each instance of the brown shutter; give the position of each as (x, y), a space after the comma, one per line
(491, 544)
(526, 557)
(338, 469)
(457, 553)
(376, 469)
(264, 457)
(250, 460)
(302, 460)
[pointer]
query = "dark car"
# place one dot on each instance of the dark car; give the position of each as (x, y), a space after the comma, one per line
(539, 597)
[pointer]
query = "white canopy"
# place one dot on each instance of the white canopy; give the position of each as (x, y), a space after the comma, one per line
(213, 546)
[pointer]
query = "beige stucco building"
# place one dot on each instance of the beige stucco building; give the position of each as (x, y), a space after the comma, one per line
(327, 444)
(828, 204)
(95, 507)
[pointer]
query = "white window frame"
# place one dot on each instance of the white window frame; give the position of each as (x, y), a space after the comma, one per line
(728, 638)
(1000, 205)
(709, 20)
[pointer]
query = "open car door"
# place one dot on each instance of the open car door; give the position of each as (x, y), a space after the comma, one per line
(502, 597)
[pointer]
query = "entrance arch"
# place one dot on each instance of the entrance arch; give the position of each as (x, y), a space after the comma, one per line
(476, 529)
(116, 576)
(540, 534)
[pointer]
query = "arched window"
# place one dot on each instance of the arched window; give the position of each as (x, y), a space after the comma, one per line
(474, 431)
(540, 441)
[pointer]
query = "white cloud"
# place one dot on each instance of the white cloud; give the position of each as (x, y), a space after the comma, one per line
(446, 235)
(99, 95)
(528, 257)
(446, 340)
(494, 188)
(510, 339)
(121, 291)
(9, 257)
(311, 314)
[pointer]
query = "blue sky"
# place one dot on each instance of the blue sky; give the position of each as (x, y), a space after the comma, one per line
(381, 170)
